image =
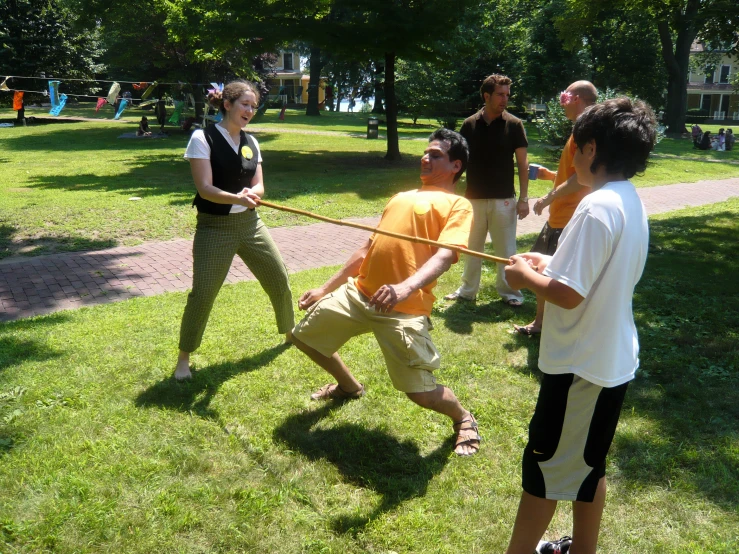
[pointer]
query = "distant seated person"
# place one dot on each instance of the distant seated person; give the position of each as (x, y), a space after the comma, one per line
(719, 143)
(730, 139)
(143, 130)
(705, 142)
(696, 132)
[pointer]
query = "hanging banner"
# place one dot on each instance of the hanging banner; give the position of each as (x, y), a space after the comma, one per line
(3, 85)
(54, 93)
(18, 100)
(178, 107)
(100, 104)
(149, 90)
(115, 88)
(124, 103)
(56, 110)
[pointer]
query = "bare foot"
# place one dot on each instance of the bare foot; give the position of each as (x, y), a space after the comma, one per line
(530, 329)
(182, 370)
(468, 439)
(288, 337)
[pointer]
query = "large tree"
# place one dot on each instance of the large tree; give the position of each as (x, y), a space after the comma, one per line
(360, 31)
(678, 24)
(42, 37)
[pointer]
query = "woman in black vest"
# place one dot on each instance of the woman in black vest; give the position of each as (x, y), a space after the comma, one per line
(227, 170)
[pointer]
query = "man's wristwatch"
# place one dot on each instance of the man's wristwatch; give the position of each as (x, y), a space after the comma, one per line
(524, 199)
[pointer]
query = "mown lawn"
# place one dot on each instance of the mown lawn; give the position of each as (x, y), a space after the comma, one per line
(77, 186)
(100, 451)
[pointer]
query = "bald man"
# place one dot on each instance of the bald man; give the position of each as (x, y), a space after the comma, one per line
(566, 193)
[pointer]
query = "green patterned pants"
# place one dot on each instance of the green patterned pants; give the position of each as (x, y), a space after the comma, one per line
(218, 238)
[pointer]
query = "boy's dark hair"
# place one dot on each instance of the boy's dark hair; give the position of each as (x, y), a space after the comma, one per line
(458, 149)
(624, 133)
(491, 81)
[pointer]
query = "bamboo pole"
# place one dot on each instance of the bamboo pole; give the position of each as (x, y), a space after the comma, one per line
(383, 232)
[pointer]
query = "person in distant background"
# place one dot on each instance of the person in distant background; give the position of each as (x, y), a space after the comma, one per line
(730, 139)
(143, 130)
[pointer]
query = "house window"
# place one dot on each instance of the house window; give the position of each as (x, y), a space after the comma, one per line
(287, 61)
(709, 75)
(706, 103)
(724, 77)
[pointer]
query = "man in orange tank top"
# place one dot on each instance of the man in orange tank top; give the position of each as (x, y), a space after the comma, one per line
(566, 193)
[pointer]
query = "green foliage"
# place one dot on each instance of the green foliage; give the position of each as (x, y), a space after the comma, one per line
(43, 37)
(449, 121)
(425, 89)
(555, 128)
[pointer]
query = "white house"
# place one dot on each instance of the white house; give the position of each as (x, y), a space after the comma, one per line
(713, 91)
(290, 84)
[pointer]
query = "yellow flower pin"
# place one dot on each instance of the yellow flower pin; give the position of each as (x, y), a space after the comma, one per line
(247, 153)
(421, 207)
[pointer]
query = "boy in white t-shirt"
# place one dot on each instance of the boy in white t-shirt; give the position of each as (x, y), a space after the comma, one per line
(589, 345)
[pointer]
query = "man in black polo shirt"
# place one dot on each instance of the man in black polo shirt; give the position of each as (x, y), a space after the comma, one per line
(494, 137)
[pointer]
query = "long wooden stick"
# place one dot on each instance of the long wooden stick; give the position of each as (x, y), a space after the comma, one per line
(388, 233)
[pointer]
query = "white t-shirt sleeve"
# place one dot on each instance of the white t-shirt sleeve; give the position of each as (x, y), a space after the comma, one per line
(198, 147)
(582, 255)
(259, 150)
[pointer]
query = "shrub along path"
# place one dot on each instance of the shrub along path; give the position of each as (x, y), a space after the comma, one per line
(45, 284)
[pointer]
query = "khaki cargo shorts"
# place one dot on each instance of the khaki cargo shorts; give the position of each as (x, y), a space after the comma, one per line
(410, 354)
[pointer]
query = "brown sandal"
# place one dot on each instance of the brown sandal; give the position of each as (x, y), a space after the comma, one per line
(333, 391)
(467, 434)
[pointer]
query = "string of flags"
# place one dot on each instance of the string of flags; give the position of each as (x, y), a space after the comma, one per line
(58, 100)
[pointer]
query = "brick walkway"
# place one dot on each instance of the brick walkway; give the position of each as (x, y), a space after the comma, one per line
(45, 284)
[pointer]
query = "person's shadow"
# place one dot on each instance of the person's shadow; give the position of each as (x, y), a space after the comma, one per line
(368, 458)
(187, 396)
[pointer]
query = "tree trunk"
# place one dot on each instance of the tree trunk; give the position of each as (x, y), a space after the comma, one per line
(316, 65)
(391, 109)
(677, 59)
(337, 96)
(378, 107)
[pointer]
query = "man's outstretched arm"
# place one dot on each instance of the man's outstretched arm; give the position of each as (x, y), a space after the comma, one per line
(387, 296)
(350, 269)
(570, 186)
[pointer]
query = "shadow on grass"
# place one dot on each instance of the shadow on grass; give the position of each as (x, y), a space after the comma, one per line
(367, 458)
(157, 172)
(15, 351)
(196, 394)
(10, 245)
(687, 313)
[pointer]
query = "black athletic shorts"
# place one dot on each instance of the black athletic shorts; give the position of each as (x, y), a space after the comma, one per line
(546, 242)
(569, 436)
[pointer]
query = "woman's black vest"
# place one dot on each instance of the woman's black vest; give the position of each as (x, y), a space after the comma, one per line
(232, 171)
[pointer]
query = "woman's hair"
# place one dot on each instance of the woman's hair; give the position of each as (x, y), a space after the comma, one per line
(231, 92)
(624, 133)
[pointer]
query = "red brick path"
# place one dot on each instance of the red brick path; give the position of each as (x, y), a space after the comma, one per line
(47, 284)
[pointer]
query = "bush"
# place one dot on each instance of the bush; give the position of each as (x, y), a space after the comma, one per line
(555, 128)
(698, 112)
(448, 121)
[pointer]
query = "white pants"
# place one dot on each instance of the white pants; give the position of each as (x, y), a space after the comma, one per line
(498, 218)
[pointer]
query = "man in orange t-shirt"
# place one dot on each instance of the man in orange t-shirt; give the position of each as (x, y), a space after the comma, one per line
(566, 193)
(386, 288)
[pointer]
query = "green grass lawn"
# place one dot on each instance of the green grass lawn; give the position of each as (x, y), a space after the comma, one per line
(69, 186)
(101, 452)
